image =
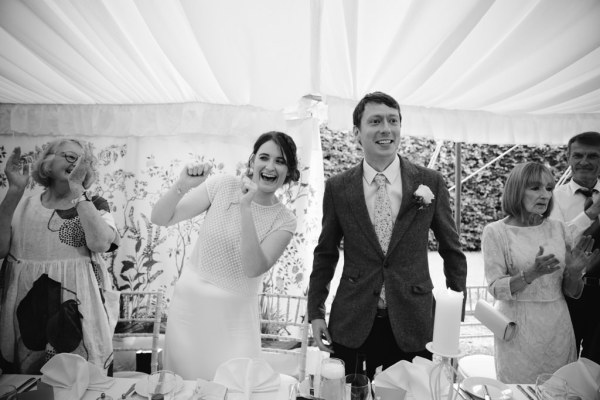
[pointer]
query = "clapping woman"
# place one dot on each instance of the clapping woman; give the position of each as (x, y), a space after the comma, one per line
(531, 264)
(50, 242)
(213, 315)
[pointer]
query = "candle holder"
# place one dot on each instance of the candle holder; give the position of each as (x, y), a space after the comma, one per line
(441, 373)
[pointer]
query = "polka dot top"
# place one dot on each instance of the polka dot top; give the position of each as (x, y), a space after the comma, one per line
(217, 254)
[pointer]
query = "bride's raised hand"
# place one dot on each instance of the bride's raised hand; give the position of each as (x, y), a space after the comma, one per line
(249, 189)
(192, 175)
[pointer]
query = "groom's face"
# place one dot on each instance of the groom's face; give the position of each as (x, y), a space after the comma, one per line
(379, 132)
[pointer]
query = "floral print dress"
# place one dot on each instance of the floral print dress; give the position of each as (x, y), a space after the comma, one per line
(48, 246)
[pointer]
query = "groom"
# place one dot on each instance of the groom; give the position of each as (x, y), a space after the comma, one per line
(382, 209)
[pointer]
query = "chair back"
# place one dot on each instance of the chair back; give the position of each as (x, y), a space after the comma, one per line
(140, 315)
(284, 326)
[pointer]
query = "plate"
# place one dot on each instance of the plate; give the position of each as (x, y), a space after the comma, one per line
(429, 346)
(141, 386)
(496, 389)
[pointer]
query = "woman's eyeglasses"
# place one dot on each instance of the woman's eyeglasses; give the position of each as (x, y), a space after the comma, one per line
(69, 156)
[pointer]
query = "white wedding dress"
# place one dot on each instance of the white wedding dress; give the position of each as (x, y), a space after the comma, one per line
(214, 314)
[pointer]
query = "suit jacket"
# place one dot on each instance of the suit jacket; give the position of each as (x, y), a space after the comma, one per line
(405, 268)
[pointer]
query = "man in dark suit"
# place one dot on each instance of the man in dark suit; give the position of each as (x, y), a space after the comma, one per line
(383, 308)
(578, 204)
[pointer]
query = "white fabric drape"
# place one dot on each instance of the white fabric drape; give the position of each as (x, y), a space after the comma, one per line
(525, 71)
(141, 151)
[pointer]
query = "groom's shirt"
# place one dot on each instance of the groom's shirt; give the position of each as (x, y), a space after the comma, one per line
(393, 186)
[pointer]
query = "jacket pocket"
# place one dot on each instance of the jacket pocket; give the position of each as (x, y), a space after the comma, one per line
(351, 275)
(423, 288)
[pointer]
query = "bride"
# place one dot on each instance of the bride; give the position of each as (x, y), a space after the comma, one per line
(213, 315)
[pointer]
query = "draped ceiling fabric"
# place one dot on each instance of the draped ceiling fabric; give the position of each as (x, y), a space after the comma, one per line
(155, 82)
(510, 71)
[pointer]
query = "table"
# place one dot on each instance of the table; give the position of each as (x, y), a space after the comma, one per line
(121, 386)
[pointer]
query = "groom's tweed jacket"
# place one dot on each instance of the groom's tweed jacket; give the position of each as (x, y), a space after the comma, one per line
(405, 269)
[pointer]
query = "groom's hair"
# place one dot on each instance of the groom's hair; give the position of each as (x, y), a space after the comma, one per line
(375, 97)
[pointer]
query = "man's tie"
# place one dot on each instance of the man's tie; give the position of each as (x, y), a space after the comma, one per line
(588, 193)
(383, 222)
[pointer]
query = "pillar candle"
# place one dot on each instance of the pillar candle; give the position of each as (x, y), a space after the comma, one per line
(446, 326)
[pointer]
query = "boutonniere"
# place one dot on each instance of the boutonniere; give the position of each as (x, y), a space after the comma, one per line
(423, 197)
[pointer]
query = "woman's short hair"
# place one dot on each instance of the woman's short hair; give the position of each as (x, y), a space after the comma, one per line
(41, 167)
(288, 148)
(524, 176)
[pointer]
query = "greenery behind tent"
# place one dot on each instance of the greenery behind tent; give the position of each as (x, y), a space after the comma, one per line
(480, 195)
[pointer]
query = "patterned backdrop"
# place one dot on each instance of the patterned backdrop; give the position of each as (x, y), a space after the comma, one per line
(136, 168)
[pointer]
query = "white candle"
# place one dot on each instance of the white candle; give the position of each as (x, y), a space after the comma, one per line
(446, 326)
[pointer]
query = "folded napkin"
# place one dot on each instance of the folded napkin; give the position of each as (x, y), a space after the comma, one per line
(583, 377)
(411, 377)
(71, 375)
(502, 327)
(247, 376)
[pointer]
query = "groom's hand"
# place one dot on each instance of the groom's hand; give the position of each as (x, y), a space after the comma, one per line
(320, 332)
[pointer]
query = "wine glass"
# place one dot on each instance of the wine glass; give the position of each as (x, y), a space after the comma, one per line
(8, 392)
(359, 386)
(161, 384)
(551, 387)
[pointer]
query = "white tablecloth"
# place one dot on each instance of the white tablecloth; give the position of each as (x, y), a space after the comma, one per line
(121, 386)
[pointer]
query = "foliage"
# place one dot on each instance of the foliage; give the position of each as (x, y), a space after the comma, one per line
(480, 195)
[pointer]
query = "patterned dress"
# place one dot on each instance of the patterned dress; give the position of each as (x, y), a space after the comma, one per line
(544, 341)
(49, 246)
(213, 315)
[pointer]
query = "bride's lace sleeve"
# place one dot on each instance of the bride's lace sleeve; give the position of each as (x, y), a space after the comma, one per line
(496, 261)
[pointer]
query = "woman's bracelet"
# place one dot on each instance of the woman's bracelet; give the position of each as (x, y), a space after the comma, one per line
(181, 191)
(523, 277)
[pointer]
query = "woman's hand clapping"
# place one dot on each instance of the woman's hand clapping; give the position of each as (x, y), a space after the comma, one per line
(17, 174)
(82, 176)
(544, 264)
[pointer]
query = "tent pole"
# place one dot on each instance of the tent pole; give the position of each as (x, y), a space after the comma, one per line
(457, 185)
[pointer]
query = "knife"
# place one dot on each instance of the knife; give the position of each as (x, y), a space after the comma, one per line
(30, 385)
(486, 394)
(525, 392)
(24, 384)
(532, 390)
(128, 392)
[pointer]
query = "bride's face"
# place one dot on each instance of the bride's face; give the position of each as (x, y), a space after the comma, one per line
(269, 167)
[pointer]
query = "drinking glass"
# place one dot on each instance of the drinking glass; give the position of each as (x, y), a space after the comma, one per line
(550, 387)
(333, 379)
(8, 392)
(161, 385)
(359, 386)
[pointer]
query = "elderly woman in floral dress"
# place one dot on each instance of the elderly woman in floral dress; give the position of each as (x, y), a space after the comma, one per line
(51, 243)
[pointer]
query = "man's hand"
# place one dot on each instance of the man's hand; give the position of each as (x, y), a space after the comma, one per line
(320, 332)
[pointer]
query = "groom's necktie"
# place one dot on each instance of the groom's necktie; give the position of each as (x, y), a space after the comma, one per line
(383, 222)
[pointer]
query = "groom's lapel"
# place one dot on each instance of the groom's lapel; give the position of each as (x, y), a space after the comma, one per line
(408, 211)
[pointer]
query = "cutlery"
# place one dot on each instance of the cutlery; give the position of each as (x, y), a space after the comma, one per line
(31, 385)
(24, 384)
(525, 392)
(486, 394)
(532, 390)
(128, 392)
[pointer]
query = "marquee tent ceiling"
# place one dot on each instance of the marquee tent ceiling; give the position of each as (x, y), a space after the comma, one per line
(507, 71)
